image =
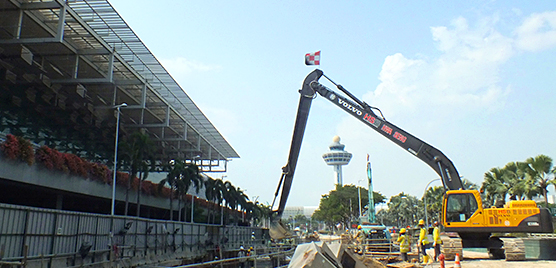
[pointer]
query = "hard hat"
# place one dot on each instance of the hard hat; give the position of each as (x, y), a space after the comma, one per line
(435, 223)
(421, 222)
(358, 227)
(402, 231)
(241, 248)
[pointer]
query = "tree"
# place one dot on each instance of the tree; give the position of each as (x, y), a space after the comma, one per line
(189, 176)
(342, 205)
(496, 186)
(214, 190)
(406, 209)
(138, 151)
(537, 169)
(434, 197)
(180, 176)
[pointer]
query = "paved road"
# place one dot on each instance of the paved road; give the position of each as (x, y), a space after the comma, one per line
(479, 260)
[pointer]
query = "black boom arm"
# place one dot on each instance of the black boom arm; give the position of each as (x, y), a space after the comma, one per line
(422, 150)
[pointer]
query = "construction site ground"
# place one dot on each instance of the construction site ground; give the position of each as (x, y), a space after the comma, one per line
(474, 259)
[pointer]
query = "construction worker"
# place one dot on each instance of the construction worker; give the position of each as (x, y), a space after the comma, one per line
(404, 244)
(360, 237)
(242, 254)
(437, 241)
(423, 241)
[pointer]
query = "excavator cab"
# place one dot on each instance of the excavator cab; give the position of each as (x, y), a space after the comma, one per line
(460, 207)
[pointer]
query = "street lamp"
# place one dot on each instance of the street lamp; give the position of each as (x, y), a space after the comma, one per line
(116, 156)
(359, 193)
(222, 207)
(425, 199)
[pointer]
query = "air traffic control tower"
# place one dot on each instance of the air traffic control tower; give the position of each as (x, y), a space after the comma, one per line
(337, 158)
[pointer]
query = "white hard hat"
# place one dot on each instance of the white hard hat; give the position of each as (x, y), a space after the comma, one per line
(241, 248)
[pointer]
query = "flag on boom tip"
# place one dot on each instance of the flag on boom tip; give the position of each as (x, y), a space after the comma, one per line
(312, 58)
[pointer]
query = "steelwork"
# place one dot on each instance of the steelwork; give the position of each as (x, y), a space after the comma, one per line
(81, 58)
(371, 214)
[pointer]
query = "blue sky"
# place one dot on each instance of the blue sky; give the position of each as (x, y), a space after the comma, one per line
(474, 79)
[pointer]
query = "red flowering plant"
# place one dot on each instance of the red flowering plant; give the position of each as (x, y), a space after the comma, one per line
(26, 152)
(147, 187)
(17, 148)
(135, 183)
(99, 172)
(43, 157)
(75, 164)
(122, 178)
(166, 192)
(10, 147)
(50, 158)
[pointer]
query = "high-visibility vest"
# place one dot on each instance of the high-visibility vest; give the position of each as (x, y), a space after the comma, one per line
(404, 243)
(436, 235)
(423, 237)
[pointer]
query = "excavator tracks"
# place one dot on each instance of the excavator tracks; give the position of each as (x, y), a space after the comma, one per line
(514, 248)
(451, 246)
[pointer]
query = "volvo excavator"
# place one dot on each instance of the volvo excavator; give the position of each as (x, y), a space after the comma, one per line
(462, 210)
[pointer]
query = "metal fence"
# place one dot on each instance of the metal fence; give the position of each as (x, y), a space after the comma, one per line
(54, 238)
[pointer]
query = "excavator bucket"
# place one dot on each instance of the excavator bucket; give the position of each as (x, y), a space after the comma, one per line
(278, 230)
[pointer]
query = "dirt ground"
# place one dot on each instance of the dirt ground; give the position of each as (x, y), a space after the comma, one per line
(479, 260)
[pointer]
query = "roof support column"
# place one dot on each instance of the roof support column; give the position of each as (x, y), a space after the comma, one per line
(61, 22)
(110, 74)
(17, 34)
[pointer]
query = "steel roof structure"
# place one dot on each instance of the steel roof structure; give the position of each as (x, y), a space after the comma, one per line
(68, 63)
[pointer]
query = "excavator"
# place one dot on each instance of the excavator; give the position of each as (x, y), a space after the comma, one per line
(462, 210)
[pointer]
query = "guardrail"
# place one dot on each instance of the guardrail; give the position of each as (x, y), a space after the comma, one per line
(275, 259)
(539, 235)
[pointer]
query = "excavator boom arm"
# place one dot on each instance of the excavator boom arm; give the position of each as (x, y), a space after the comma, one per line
(422, 150)
(427, 153)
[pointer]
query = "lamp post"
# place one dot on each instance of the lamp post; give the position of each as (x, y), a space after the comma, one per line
(116, 156)
(359, 194)
(221, 206)
(425, 199)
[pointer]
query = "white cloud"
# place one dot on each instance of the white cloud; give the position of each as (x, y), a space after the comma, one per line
(538, 32)
(464, 78)
(182, 66)
(226, 119)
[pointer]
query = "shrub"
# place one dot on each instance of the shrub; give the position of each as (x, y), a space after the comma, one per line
(100, 172)
(26, 152)
(10, 147)
(51, 159)
(17, 148)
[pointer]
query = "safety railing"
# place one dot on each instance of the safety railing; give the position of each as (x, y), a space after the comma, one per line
(274, 259)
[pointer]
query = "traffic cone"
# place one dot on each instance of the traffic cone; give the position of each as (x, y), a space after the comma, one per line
(456, 263)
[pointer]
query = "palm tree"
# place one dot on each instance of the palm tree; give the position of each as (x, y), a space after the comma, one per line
(214, 191)
(177, 169)
(495, 186)
(188, 177)
(138, 148)
(434, 197)
(538, 169)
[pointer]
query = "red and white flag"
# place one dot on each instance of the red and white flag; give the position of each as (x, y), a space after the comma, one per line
(312, 58)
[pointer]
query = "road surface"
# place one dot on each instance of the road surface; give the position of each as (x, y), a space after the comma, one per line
(479, 260)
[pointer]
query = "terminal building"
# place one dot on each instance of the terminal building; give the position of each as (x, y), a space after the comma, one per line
(65, 67)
